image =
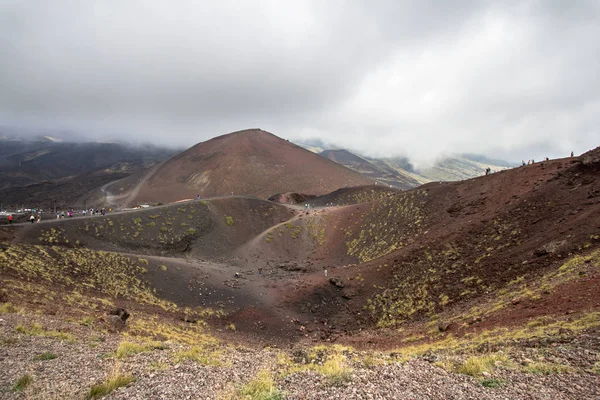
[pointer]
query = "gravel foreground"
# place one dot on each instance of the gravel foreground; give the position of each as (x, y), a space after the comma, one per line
(90, 359)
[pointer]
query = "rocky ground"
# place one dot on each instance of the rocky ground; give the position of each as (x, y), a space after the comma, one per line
(65, 359)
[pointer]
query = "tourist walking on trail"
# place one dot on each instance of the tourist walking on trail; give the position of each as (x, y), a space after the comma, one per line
(10, 219)
(32, 219)
(572, 154)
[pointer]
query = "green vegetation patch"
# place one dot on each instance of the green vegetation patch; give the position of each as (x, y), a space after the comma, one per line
(112, 274)
(493, 383)
(394, 219)
(46, 356)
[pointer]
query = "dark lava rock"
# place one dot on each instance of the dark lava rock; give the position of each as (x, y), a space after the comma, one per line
(337, 282)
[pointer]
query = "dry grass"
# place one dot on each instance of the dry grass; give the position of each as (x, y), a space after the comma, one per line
(205, 355)
(127, 349)
(38, 330)
(544, 368)
(476, 365)
(329, 361)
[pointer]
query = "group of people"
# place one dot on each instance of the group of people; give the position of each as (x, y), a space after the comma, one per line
(523, 163)
(92, 211)
(70, 213)
(62, 214)
(532, 161)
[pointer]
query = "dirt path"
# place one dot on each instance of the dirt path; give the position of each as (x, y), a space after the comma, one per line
(109, 198)
(135, 191)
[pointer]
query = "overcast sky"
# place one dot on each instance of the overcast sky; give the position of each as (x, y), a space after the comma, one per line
(509, 79)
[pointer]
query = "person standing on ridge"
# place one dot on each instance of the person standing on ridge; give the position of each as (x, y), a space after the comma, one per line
(10, 219)
(572, 154)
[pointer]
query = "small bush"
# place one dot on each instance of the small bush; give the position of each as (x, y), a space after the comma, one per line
(46, 356)
(229, 220)
(22, 383)
(162, 267)
(191, 231)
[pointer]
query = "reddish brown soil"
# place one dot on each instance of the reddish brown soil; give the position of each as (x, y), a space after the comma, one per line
(522, 222)
(249, 162)
(567, 299)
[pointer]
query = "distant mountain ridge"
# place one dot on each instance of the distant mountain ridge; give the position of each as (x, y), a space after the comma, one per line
(399, 171)
(45, 171)
(394, 172)
(29, 162)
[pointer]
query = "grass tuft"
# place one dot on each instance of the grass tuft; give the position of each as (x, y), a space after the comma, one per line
(37, 330)
(46, 356)
(6, 308)
(22, 383)
(492, 383)
(261, 388)
(201, 355)
(335, 370)
(476, 365)
(127, 349)
(542, 368)
(114, 381)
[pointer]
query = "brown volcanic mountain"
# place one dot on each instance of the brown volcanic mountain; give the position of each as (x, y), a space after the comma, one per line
(249, 162)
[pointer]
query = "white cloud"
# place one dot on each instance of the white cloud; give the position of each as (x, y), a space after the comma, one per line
(514, 79)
